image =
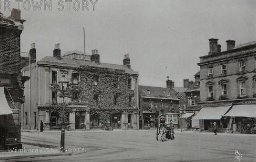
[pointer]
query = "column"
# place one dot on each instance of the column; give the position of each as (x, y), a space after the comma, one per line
(72, 120)
(135, 122)
(87, 120)
(124, 120)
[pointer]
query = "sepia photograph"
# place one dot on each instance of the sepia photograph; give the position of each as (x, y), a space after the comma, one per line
(128, 80)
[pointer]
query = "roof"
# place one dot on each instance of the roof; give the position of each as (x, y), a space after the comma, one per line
(10, 23)
(212, 113)
(73, 63)
(242, 111)
(157, 92)
(180, 89)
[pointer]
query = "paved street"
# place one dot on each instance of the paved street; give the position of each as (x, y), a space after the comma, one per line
(141, 145)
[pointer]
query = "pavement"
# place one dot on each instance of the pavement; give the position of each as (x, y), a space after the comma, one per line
(133, 145)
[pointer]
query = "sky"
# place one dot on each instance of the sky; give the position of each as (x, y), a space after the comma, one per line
(163, 37)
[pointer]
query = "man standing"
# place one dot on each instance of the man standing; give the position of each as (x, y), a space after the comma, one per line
(215, 128)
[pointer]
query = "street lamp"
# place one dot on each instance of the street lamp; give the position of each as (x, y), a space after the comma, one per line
(63, 89)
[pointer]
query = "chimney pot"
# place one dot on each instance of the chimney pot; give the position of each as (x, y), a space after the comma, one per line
(57, 51)
(127, 61)
(169, 83)
(16, 14)
(33, 45)
(230, 44)
(219, 48)
(95, 56)
(32, 53)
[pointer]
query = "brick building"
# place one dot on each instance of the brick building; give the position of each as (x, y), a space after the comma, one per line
(227, 86)
(156, 100)
(11, 81)
(99, 93)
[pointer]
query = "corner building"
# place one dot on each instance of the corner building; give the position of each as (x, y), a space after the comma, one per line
(228, 86)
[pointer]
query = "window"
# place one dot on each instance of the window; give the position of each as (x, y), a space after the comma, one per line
(223, 69)
(191, 101)
(241, 65)
(96, 98)
(129, 83)
(75, 96)
(35, 120)
(130, 100)
(75, 78)
(210, 92)
(224, 89)
(242, 88)
(54, 77)
(95, 80)
(116, 99)
(116, 83)
(26, 118)
(210, 72)
(54, 98)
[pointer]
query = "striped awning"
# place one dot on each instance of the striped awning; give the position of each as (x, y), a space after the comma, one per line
(4, 106)
(242, 111)
(211, 113)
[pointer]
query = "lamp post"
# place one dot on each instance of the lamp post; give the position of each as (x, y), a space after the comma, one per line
(63, 89)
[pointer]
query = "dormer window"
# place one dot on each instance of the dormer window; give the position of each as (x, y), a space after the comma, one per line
(241, 65)
(148, 92)
(223, 69)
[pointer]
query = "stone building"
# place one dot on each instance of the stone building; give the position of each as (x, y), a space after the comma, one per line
(99, 94)
(227, 86)
(154, 101)
(11, 81)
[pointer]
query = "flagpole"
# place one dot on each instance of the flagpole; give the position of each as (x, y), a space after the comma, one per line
(84, 39)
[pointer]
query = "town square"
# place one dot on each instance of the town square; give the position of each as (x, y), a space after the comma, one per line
(94, 80)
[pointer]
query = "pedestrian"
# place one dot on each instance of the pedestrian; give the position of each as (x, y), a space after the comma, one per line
(41, 126)
(215, 128)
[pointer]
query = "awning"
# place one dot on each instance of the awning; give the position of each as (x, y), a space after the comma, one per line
(186, 115)
(4, 106)
(211, 113)
(242, 111)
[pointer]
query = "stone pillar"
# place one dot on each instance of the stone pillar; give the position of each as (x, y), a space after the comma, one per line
(72, 120)
(124, 120)
(87, 120)
(135, 120)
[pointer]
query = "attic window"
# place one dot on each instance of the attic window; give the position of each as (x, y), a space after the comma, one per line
(148, 92)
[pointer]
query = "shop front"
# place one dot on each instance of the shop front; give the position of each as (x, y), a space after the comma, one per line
(242, 118)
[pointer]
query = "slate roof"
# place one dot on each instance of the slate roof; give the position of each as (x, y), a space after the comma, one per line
(73, 63)
(157, 92)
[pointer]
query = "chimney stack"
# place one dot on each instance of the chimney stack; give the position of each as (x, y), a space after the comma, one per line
(219, 48)
(95, 56)
(230, 44)
(169, 83)
(16, 14)
(57, 51)
(127, 61)
(32, 53)
(213, 44)
(186, 83)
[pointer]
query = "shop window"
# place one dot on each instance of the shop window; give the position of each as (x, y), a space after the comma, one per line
(54, 77)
